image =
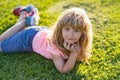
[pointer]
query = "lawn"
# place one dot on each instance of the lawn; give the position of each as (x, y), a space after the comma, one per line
(105, 60)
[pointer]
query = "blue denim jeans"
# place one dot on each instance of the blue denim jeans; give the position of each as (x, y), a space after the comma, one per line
(21, 41)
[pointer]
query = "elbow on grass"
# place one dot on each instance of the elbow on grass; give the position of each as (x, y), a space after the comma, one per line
(63, 71)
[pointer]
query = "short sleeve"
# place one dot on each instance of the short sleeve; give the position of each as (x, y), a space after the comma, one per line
(54, 50)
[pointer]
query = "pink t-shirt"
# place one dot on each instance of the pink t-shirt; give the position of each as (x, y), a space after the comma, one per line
(45, 48)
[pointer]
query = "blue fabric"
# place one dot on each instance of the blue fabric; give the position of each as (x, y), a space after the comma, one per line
(28, 8)
(21, 41)
(28, 21)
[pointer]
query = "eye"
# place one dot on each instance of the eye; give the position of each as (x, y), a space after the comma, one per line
(77, 30)
(67, 29)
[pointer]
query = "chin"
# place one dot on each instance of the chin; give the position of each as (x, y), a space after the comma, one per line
(71, 42)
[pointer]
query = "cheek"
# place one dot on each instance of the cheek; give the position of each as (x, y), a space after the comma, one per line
(78, 36)
(63, 33)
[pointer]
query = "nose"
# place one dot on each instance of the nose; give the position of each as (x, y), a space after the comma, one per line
(71, 33)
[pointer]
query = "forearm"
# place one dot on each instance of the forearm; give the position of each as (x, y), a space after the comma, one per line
(14, 29)
(68, 66)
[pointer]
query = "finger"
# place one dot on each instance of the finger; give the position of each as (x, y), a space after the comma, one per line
(77, 47)
(68, 46)
(71, 45)
(64, 44)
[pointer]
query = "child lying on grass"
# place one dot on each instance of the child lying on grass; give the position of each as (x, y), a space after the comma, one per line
(68, 42)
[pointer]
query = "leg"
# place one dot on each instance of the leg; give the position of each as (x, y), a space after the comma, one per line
(20, 24)
(19, 42)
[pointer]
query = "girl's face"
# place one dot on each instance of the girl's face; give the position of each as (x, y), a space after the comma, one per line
(70, 35)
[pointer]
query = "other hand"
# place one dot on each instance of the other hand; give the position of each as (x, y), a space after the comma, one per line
(73, 47)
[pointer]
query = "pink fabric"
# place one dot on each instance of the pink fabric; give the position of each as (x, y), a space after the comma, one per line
(43, 47)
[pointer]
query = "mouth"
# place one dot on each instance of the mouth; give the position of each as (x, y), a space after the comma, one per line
(70, 40)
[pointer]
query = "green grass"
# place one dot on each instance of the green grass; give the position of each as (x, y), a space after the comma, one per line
(105, 62)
